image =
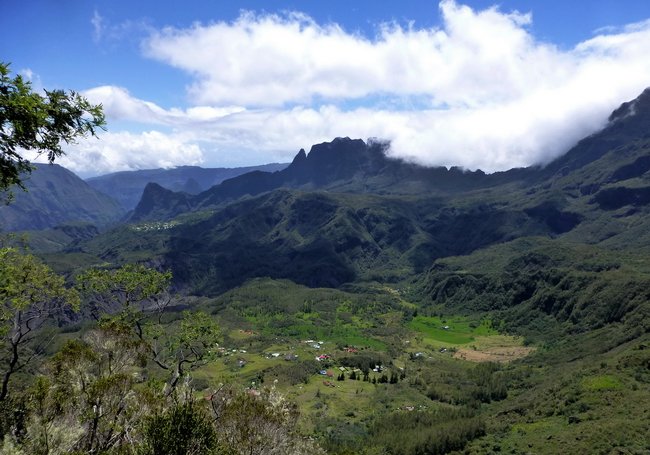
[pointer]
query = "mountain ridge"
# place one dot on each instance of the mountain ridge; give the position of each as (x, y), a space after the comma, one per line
(352, 165)
(54, 196)
(344, 164)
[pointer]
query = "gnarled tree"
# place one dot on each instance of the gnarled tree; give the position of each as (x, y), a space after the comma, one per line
(137, 296)
(31, 294)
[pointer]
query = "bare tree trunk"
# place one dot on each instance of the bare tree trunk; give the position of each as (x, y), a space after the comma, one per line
(10, 370)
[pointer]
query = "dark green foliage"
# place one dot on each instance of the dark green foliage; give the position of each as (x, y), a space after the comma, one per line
(490, 384)
(426, 432)
(183, 429)
(482, 383)
(557, 220)
(635, 169)
(617, 197)
(323, 239)
(14, 412)
(342, 436)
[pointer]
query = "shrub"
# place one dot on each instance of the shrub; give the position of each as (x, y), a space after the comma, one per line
(183, 429)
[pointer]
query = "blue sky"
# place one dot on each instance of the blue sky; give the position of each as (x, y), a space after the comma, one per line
(217, 83)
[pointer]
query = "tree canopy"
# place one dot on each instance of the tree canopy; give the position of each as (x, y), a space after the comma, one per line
(30, 121)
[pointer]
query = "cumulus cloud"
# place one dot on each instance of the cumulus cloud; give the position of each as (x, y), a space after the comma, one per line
(480, 91)
(274, 60)
(123, 151)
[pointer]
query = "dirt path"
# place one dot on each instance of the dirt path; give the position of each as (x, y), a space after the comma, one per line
(496, 354)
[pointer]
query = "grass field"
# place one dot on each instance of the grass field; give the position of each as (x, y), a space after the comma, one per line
(601, 382)
(451, 331)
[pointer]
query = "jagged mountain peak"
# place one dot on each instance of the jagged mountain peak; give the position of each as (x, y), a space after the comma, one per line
(300, 157)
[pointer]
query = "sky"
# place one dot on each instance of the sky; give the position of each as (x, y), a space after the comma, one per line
(474, 83)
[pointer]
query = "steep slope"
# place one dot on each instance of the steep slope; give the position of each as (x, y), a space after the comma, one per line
(162, 203)
(627, 124)
(127, 186)
(545, 288)
(55, 196)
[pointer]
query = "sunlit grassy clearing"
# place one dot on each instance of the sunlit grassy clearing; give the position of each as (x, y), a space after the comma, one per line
(456, 330)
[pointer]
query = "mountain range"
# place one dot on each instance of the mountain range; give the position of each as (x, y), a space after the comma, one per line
(346, 212)
(353, 166)
(344, 165)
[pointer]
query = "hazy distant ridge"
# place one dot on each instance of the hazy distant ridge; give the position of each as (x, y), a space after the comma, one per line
(127, 186)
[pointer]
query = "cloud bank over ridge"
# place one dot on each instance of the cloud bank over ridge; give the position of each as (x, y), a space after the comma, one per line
(480, 91)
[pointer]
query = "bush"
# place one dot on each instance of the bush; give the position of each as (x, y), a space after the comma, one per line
(183, 429)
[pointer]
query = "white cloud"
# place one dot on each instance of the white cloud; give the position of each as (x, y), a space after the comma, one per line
(272, 60)
(487, 93)
(97, 21)
(122, 151)
(120, 105)
(104, 31)
(29, 75)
